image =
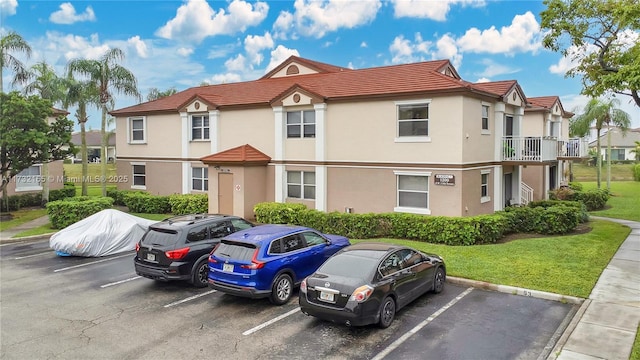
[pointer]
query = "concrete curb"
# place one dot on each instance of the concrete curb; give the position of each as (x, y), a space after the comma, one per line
(569, 330)
(516, 290)
(26, 238)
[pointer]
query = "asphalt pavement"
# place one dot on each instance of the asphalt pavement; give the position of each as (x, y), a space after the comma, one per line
(604, 327)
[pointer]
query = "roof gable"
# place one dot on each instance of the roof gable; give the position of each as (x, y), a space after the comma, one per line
(240, 155)
(298, 66)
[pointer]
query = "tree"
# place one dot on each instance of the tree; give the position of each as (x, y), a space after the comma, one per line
(636, 150)
(82, 94)
(603, 39)
(155, 94)
(600, 114)
(12, 42)
(108, 77)
(42, 80)
(26, 136)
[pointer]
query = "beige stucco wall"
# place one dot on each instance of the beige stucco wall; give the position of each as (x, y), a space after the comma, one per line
(163, 136)
(55, 179)
(249, 188)
(533, 123)
(162, 178)
(476, 144)
(534, 176)
(251, 126)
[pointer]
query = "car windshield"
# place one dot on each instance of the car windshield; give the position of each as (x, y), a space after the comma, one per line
(160, 237)
(235, 250)
(349, 265)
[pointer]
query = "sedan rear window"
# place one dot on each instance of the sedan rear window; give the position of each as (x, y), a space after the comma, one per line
(235, 250)
(349, 265)
(160, 237)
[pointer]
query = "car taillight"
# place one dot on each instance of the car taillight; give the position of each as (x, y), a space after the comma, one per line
(177, 254)
(137, 246)
(361, 294)
(255, 264)
(303, 286)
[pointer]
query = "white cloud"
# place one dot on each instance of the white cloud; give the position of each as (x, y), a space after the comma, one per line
(314, 18)
(8, 7)
(185, 51)
(220, 51)
(494, 69)
(406, 51)
(280, 54)
(363, 44)
(67, 15)
(447, 49)
(196, 20)
(576, 103)
(225, 78)
(139, 46)
(483, 80)
(434, 10)
(253, 45)
(522, 35)
(236, 64)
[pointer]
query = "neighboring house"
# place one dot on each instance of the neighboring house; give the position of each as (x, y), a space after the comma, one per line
(31, 179)
(93, 139)
(622, 144)
(412, 138)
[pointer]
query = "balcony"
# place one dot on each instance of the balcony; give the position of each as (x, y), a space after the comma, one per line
(542, 148)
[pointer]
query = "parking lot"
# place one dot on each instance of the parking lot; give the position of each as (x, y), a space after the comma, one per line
(80, 308)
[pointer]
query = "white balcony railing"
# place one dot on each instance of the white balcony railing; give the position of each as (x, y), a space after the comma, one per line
(529, 148)
(573, 148)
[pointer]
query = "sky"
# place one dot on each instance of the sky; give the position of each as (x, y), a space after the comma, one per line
(181, 44)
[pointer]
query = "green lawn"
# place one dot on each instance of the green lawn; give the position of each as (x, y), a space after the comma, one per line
(619, 172)
(22, 216)
(624, 200)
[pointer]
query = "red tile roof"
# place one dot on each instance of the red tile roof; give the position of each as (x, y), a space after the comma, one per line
(333, 83)
(546, 103)
(241, 155)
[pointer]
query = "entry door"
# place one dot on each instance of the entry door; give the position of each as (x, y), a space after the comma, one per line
(508, 189)
(553, 177)
(225, 193)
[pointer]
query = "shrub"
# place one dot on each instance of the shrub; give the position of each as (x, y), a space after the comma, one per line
(68, 191)
(119, 195)
(636, 172)
(181, 204)
(139, 202)
(594, 199)
(63, 213)
(17, 202)
(578, 206)
(278, 213)
(575, 186)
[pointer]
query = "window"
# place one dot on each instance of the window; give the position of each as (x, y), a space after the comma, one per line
(139, 176)
(137, 130)
(484, 186)
(220, 230)
(390, 265)
(292, 243)
(276, 247)
(301, 185)
(198, 233)
(301, 124)
(413, 120)
(617, 154)
(240, 224)
(29, 179)
(200, 179)
(413, 193)
(485, 117)
(200, 127)
(314, 239)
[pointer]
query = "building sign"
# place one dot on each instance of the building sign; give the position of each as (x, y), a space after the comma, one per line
(444, 179)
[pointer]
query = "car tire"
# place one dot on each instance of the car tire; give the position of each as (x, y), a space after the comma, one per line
(200, 275)
(281, 290)
(387, 312)
(438, 280)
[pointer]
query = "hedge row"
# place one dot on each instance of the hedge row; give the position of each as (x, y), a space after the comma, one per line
(16, 202)
(541, 218)
(68, 191)
(63, 213)
(141, 202)
(595, 199)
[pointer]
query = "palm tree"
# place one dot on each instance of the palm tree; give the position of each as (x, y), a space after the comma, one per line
(108, 77)
(601, 114)
(42, 80)
(636, 150)
(155, 94)
(12, 42)
(81, 94)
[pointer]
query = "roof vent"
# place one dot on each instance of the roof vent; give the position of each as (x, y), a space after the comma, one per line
(292, 70)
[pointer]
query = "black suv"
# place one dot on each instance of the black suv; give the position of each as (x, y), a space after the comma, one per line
(178, 248)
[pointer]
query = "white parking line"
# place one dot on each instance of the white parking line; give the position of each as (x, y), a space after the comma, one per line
(30, 256)
(90, 263)
(120, 282)
(190, 298)
(263, 325)
(417, 328)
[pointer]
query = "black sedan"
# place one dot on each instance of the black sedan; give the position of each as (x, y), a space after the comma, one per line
(367, 283)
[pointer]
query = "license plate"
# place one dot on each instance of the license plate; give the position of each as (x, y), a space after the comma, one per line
(151, 257)
(325, 296)
(227, 267)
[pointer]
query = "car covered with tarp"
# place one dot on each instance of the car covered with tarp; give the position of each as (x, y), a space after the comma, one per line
(104, 233)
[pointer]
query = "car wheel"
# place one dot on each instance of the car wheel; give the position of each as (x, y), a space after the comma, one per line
(200, 276)
(387, 312)
(438, 281)
(281, 290)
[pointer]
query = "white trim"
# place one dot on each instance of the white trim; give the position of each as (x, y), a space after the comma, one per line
(412, 102)
(412, 173)
(184, 141)
(130, 130)
(280, 133)
(279, 183)
(202, 114)
(205, 167)
(320, 131)
(186, 171)
(214, 121)
(412, 210)
(485, 171)
(138, 187)
(321, 188)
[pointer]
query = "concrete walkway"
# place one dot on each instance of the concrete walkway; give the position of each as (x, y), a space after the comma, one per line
(605, 326)
(7, 236)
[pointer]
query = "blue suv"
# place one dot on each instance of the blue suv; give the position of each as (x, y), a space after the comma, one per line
(269, 260)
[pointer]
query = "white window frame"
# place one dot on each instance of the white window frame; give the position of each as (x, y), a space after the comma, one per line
(202, 128)
(487, 198)
(133, 176)
(302, 185)
(31, 182)
(204, 178)
(412, 210)
(301, 125)
(487, 130)
(130, 130)
(413, 139)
